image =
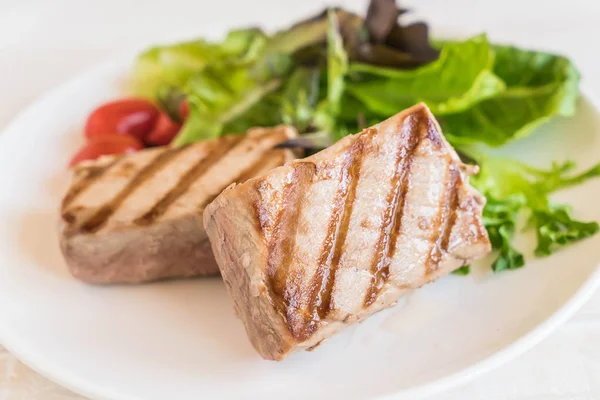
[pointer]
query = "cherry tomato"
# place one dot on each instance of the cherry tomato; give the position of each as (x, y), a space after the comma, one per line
(134, 117)
(163, 132)
(184, 109)
(107, 144)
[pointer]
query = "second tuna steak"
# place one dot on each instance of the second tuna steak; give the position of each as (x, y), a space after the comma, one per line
(326, 241)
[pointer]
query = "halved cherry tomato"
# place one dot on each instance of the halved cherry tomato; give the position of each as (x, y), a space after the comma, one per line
(108, 144)
(184, 109)
(163, 132)
(134, 117)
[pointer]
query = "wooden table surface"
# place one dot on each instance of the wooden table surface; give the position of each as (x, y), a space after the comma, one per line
(17, 381)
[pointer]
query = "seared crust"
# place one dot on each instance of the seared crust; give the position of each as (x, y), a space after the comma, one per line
(138, 218)
(328, 240)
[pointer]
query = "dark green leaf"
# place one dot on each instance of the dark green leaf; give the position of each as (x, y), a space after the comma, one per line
(266, 112)
(500, 218)
(464, 270)
(513, 188)
(508, 258)
(556, 228)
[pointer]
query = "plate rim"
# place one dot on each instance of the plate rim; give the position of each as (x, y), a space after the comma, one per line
(86, 388)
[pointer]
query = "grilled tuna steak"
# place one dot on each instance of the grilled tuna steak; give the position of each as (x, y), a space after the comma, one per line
(328, 240)
(137, 218)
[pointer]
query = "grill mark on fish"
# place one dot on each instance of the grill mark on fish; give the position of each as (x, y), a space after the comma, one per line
(283, 240)
(93, 174)
(257, 167)
(451, 221)
(393, 213)
(101, 216)
(268, 157)
(216, 152)
(250, 172)
(433, 134)
(322, 286)
(446, 218)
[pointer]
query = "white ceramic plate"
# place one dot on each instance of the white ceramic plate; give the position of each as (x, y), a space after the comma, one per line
(181, 339)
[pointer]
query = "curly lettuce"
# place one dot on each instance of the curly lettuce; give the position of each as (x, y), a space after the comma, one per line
(513, 189)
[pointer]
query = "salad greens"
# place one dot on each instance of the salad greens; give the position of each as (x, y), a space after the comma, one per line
(457, 81)
(337, 73)
(538, 87)
(512, 188)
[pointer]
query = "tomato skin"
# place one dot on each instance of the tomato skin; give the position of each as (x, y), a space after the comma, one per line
(134, 117)
(163, 132)
(107, 144)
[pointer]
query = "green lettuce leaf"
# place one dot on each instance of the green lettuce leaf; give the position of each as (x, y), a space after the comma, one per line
(502, 177)
(299, 97)
(244, 45)
(222, 95)
(555, 227)
(539, 86)
(327, 115)
(337, 65)
(460, 78)
(218, 96)
(173, 65)
(464, 270)
(500, 218)
(306, 33)
(557, 177)
(513, 189)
